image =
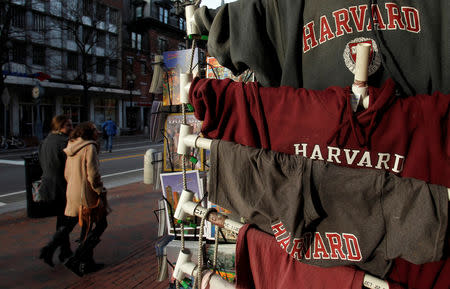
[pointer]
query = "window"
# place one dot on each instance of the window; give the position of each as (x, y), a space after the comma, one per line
(143, 67)
(72, 61)
(17, 17)
(88, 63)
(138, 12)
(100, 65)
(38, 22)
(87, 7)
(163, 15)
(113, 16)
(133, 40)
(19, 53)
(113, 41)
(113, 67)
(88, 35)
(72, 31)
(101, 39)
(101, 12)
(130, 60)
(181, 24)
(38, 55)
(162, 45)
(139, 42)
(136, 40)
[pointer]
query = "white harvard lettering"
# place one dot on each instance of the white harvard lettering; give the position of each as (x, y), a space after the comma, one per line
(336, 246)
(352, 157)
(356, 19)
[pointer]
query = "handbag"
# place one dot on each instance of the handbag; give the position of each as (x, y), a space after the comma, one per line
(89, 215)
(35, 191)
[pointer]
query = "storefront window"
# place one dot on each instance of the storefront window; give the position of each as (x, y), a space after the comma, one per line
(26, 116)
(71, 107)
(73, 112)
(104, 108)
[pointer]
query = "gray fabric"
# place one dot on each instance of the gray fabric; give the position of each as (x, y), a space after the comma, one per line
(267, 37)
(390, 217)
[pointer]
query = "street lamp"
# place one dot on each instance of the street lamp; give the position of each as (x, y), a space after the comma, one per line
(37, 92)
(131, 77)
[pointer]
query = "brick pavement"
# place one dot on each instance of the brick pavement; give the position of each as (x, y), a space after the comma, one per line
(127, 246)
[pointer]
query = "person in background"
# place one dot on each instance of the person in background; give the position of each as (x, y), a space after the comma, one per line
(84, 187)
(109, 127)
(53, 160)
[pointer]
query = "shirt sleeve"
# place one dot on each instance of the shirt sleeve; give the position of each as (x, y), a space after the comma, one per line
(416, 217)
(93, 173)
(230, 111)
(260, 185)
(238, 32)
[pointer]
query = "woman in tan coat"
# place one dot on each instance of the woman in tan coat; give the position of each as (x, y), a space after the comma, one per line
(84, 186)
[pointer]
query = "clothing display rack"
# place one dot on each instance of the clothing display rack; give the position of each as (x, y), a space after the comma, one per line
(186, 207)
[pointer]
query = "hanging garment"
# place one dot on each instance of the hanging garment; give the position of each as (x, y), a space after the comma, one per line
(326, 215)
(257, 252)
(407, 136)
(312, 45)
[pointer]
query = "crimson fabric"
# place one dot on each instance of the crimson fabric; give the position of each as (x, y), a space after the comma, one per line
(261, 264)
(407, 136)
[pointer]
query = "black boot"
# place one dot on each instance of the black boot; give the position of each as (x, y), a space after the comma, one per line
(82, 262)
(65, 252)
(74, 265)
(46, 253)
(91, 266)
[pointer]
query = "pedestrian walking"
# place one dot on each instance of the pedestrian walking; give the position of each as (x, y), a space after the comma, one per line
(53, 187)
(84, 190)
(109, 129)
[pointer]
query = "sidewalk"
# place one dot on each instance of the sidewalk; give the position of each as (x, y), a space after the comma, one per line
(127, 246)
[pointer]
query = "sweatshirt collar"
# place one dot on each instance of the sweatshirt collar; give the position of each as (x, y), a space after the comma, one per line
(361, 125)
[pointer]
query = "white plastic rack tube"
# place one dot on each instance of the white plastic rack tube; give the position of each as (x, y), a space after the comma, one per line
(184, 267)
(359, 86)
(186, 140)
(187, 207)
(191, 25)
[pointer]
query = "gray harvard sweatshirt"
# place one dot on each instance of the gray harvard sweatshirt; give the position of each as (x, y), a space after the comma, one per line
(311, 44)
(326, 215)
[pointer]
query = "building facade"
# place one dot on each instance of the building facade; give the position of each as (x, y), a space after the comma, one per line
(89, 59)
(152, 27)
(68, 51)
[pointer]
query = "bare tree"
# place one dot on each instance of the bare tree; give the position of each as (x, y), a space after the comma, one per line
(80, 24)
(83, 25)
(6, 14)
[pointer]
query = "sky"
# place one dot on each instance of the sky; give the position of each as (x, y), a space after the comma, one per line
(213, 3)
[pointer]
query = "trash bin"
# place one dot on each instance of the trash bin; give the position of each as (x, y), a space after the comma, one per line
(33, 172)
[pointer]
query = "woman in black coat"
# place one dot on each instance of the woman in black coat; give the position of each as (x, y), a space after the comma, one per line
(53, 188)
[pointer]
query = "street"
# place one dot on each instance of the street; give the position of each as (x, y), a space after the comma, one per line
(123, 166)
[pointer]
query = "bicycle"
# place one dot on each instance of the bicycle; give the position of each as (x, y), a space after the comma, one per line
(3, 143)
(12, 141)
